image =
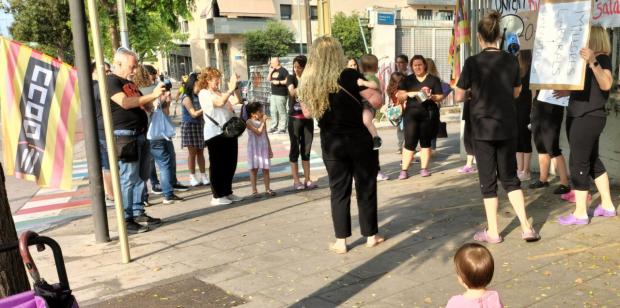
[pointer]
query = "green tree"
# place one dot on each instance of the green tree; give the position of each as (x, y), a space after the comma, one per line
(273, 41)
(43, 25)
(346, 29)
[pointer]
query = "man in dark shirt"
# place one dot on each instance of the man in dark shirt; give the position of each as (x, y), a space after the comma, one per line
(130, 125)
(278, 76)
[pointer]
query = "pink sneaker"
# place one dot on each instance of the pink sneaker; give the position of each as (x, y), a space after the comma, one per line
(403, 175)
(466, 170)
(570, 197)
(425, 172)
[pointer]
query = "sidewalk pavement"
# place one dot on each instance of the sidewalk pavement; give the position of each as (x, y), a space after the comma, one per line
(272, 251)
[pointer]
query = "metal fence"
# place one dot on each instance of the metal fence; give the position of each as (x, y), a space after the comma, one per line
(259, 88)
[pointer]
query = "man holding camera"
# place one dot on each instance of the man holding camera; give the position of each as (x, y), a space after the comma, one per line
(130, 126)
(278, 76)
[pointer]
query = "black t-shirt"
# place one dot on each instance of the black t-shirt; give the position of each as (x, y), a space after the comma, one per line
(98, 111)
(279, 74)
(492, 76)
(134, 118)
(412, 84)
(591, 100)
(294, 106)
(344, 115)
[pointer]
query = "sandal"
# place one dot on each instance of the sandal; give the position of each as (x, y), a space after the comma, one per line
(531, 236)
(309, 185)
(255, 195)
(299, 186)
(482, 236)
(378, 240)
(270, 193)
(332, 247)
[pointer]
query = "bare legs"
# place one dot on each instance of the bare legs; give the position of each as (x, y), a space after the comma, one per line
(425, 157)
(254, 180)
(518, 204)
(305, 164)
(470, 161)
(407, 159)
(560, 164)
(581, 197)
(523, 163)
(107, 184)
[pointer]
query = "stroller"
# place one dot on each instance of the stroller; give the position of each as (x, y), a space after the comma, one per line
(44, 295)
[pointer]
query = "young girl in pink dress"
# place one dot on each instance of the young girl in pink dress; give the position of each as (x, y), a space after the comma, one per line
(474, 267)
(259, 147)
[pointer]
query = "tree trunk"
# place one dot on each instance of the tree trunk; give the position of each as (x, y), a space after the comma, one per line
(13, 277)
(110, 7)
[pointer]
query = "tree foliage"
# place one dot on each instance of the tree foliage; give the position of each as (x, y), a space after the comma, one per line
(46, 25)
(43, 25)
(273, 41)
(346, 29)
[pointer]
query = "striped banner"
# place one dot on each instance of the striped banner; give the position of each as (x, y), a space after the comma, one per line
(39, 106)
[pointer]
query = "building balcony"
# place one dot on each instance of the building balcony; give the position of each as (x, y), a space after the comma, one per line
(233, 26)
(432, 2)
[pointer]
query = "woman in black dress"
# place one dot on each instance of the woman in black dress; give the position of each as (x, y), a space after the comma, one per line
(493, 78)
(331, 95)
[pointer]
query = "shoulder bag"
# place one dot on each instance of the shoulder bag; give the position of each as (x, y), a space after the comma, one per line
(233, 128)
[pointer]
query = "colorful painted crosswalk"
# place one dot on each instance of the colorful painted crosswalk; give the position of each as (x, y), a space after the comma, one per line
(52, 207)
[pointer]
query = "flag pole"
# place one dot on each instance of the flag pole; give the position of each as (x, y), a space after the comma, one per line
(82, 62)
(107, 123)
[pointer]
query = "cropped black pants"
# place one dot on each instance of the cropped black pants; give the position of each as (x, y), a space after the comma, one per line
(496, 159)
(583, 139)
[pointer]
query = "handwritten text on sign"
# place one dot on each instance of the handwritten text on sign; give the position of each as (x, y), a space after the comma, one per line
(562, 30)
(606, 13)
(506, 7)
(526, 38)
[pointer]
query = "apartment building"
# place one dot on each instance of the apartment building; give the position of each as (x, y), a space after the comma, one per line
(215, 31)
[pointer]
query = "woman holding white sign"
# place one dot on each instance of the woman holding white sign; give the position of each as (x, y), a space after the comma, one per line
(585, 121)
(494, 80)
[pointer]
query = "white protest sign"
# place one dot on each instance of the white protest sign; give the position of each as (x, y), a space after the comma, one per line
(606, 13)
(506, 7)
(526, 38)
(547, 97)
(563, 28)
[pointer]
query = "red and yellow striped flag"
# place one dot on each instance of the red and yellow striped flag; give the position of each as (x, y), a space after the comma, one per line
(39, 105)
(460, 35)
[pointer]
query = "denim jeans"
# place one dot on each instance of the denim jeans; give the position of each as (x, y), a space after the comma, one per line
(278, 112)
(133, 176)
(165, 158)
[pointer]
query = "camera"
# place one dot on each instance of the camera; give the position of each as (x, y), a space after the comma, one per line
(167, 83)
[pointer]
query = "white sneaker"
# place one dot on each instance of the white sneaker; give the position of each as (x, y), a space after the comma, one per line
(234, 198)
(205, 180)
(220, 201)
(193, 182)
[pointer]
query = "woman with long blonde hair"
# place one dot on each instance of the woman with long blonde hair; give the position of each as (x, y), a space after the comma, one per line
(329, 92)
(585, 121)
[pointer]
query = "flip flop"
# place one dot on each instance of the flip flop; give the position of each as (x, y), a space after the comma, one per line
(482, 236)
(299, 186)
(339, 251)
(255, 195)
(378, 240)
(270, 193)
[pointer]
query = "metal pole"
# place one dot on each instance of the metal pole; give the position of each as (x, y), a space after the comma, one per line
(301, 33)
(359, 22)
(122, 23)
(82, 62)
(107, 123)
(308, 24)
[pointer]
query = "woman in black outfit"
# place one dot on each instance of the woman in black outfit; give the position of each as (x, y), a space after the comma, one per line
(300, 129)
(546, 126)
(331, 95)
(493, 78)
(421, 118)
(584, 124)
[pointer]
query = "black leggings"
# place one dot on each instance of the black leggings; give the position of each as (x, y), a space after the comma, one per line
(349, 157)
(421, 125)
(301, 133)
(497, 159)
(546, 127)
(583, 139)
(222, 164)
